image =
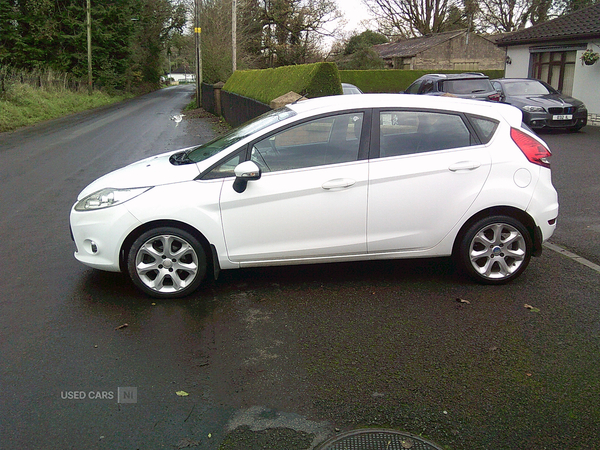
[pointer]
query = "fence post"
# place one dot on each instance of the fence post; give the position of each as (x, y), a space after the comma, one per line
(217, 93)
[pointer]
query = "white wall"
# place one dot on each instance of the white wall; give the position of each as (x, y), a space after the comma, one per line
(519, 66)
(586, 84)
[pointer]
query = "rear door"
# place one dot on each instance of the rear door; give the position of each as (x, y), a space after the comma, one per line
(430, 169)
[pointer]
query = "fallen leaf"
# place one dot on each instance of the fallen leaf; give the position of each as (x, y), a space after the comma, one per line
(531, 308)
(182, 393)
(120, 327)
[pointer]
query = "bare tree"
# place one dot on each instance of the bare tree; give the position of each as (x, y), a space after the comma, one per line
(412, 18)
(505, 15)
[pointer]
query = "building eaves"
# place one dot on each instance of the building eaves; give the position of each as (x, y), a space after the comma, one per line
(581, 24)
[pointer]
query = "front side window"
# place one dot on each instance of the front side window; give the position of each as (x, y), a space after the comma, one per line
(226, 168)
(328, 140)
(408, 132)
(219, 144)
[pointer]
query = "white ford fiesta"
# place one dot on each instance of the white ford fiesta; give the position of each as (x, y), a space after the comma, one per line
(342, 178)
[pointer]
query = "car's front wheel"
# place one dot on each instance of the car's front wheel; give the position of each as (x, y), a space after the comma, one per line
(167, 262)
(495, 250)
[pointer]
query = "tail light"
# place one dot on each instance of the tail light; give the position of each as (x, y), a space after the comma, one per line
(534, 150)
(495, 97)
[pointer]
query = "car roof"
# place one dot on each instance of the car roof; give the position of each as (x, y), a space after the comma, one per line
(453, 76)
(352, 102)
(514, 80)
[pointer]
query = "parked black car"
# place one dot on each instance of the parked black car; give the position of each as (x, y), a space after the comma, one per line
(542, 105)
(464, 85)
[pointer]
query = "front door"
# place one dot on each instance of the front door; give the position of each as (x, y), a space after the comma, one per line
(311, 200)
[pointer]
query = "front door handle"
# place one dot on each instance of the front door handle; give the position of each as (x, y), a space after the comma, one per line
(464, 165)
(338, 183)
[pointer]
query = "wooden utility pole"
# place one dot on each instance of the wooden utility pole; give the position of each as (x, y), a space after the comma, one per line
(234, 33)
(197, 34)
(89, 43)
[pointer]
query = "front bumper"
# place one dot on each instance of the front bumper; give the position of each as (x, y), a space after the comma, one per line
(99, 235)
(539, 120)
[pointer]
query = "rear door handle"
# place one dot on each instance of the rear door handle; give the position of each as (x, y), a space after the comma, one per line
(338, 183)
(464, 165)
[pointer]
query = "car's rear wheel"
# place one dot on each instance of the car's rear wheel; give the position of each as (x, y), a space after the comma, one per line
(495, 250)
(167, 262)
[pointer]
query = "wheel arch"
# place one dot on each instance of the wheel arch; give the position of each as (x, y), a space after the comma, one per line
(510, 211)
(209, 250)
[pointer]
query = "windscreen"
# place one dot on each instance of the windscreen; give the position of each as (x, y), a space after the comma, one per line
(526, 88)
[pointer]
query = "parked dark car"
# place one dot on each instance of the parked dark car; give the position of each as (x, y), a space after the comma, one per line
(464, 85)
(542, 105)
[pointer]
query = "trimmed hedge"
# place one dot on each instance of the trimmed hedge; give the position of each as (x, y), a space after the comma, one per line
(395, 80)
(313, 80)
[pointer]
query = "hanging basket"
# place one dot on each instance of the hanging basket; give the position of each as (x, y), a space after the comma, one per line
(589, 57)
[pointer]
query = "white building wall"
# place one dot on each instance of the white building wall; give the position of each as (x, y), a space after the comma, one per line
(519, 62)
(586, 85)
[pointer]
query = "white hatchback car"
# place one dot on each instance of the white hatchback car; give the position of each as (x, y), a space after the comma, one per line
(343, 178)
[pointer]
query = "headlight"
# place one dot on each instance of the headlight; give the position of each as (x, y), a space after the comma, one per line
(581, 108)
(108, 197)
(529, 108)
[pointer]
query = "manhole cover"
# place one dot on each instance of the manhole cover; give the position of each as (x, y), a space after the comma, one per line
(377, 440)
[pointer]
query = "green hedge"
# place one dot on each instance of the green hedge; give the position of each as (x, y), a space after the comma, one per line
(395, 80)
(314, 80)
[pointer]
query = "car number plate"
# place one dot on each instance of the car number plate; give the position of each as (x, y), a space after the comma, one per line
(563, 117)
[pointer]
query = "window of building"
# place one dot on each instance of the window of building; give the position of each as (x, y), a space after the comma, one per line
(555, 68)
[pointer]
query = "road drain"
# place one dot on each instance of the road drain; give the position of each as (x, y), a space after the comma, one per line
(373, 439)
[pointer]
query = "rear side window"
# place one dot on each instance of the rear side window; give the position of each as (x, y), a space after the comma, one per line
(427, 87)
(408, 132)
(414, 88)
(472, 86)
(485, 127)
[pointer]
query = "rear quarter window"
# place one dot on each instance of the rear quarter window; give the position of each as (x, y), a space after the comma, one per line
(484, 127)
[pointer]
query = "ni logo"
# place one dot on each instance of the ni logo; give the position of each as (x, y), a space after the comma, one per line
(127, 395)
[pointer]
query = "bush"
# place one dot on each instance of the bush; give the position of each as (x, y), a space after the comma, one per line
(394, 80)
(312, 80)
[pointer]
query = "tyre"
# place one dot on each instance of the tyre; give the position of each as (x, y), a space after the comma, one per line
(167, 262)
(495, 250)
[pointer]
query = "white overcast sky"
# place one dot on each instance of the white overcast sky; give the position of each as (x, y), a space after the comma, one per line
(354, 11)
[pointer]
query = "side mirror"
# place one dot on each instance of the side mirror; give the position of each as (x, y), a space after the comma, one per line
(244, 172)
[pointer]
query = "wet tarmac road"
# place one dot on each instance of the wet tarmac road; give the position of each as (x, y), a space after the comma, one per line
(278, 358)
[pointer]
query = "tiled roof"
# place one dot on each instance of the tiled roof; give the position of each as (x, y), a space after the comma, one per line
(582, 24)
(412, 47)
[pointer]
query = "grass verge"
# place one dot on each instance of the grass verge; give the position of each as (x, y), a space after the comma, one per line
(23, 105)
